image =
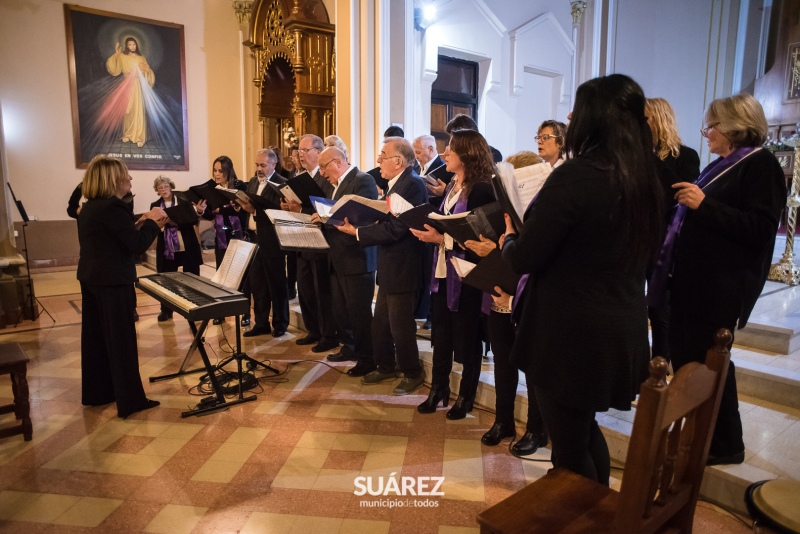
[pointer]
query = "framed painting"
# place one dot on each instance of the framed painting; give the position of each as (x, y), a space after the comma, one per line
(127, 80)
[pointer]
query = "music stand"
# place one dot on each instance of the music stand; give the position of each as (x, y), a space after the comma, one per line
(31, 299)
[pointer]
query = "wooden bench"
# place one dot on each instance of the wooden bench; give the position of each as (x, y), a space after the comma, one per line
(14, 362)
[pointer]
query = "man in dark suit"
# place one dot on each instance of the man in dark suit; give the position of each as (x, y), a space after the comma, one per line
(400, 275)
(352, 267)
(313, 273)
(268, 271)
(380, 181)
(432, 167)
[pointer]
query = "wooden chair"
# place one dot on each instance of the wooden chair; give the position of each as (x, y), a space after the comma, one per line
(14, 362)
(663, 470)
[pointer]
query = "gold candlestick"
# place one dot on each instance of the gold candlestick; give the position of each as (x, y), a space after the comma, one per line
(785, 270)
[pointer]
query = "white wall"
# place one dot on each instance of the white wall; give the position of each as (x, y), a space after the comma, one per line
(37, 116)
(524, 57)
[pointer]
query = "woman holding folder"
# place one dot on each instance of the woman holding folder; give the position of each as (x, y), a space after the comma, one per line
(457, 307)
(177, 246)
(585, 244)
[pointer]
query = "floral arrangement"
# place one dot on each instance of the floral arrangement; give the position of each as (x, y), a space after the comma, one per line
(290, 137)
(786, 143)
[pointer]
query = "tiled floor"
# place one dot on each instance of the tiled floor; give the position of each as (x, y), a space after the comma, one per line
(286, 463)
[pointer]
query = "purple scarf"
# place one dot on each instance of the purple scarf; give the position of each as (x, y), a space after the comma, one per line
(453, 281)
(234, 225)
(171, 242)
(657, 285)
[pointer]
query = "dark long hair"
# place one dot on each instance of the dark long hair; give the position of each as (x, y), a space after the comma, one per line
(476, 156)
(609, 128)
(227, 169)
(138, 49)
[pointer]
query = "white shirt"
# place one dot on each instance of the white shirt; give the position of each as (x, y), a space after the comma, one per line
(339, 181)
(251, 224)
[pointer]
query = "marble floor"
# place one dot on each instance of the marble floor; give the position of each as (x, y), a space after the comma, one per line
(286, 463)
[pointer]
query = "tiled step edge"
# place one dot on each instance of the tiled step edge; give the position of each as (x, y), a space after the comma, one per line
(768, 337)
(768, 383)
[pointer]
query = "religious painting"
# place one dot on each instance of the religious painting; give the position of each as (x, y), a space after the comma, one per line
(128, 88)
(792, 92)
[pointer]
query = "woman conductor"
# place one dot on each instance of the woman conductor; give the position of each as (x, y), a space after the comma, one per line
(109, 243)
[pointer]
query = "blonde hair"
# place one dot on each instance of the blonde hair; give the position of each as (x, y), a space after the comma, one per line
(335, 140)
(161, 179)
(740, 118)
(664, 127)
(103, 176)
(524, 158)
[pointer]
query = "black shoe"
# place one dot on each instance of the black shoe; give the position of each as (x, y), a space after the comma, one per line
(216, 321)
(529, 443)
(278, 332)
(737, 458)
(498, 433)
(341, 356)
(147, 405)
(436, 396)
(325, 345)
(460, 409)
(164, 316)
(135, 317)
(427, 325)
(306, 340)
(361, 369)
(257, 331)
(245, 321)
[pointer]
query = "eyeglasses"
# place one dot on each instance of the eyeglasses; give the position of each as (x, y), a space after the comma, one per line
(323, 165)
(704, 131)
(545, 137)
(304, 150)
(382, 157)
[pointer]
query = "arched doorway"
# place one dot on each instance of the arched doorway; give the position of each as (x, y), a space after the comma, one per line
(275, 106)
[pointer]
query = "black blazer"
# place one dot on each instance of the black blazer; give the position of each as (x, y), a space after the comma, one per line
(725, 246)
(582, 333)
(193, 256)
(400, 268)
(345, 255)
(268, 244)
(673, 170)
(110, 242)
(438, 169)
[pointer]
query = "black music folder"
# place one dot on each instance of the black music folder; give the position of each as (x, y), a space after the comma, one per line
(491, 271)
(412, 216)
(182, 213)
(359, 211)
(300, 189)
(260, 202)
(487, 221)
(207, 191)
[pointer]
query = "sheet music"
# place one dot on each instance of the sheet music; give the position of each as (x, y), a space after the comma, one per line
(398, 204)
(305, 237)
(323, 210)
(234, 264)
(522, 184)
(288, 217)
(462, 267)
(289, 194)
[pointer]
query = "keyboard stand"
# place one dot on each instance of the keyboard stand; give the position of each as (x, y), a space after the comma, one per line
(197, 344)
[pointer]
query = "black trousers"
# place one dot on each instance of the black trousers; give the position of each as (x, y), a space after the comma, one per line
(690, 337)
(268, 285)
(109, 354)
(506, 376)
(425, 298)
(352, 306)
(314, 294)
(394, 333)
(291, 269)
(577, 442)
(171, 266)
(457, 334)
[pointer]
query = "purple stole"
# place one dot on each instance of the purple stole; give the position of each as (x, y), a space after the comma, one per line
(219, 229)
(171, 242)
(453, 281)
(657, 285)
